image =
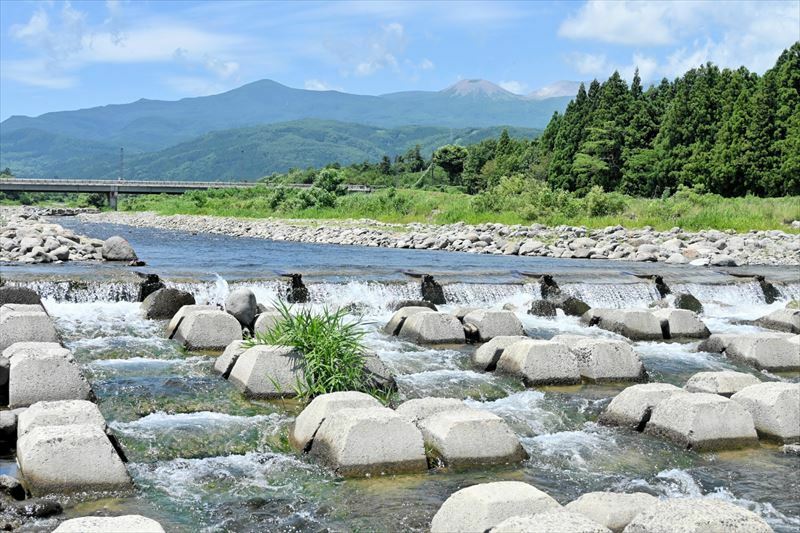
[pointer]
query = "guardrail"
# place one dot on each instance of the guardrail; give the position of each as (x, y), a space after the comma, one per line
(120, 185)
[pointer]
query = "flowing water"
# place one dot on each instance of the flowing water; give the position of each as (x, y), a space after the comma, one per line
(205, 459)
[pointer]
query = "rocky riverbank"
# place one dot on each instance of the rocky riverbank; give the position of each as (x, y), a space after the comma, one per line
(25, 237)
(676, 246)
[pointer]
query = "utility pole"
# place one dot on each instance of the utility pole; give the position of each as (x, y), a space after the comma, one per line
(121, 163)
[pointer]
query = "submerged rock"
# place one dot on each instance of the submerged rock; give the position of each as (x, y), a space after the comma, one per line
(544, 308)
(689, 302)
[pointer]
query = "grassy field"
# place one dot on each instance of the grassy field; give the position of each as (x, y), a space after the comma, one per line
(687, 210)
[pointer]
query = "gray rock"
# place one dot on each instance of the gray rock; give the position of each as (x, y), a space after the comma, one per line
(723, 261)
(8, 430)
(703, 422)
(688, 302)
(41, 371)
(377, 374)
(12, 294)
(716, 343)
(480, 507)
(632, 407)
(70, 459)
(182, 313)
(490, 324)
(268, 371)
(548, 522)
(544, 308)
(369, 441)
(782, 320)
(540, 362)
(164, 303)
(775, 408)
(725, 382)
(25, 323)
(431, 327)
(224, 363)
(207, 330)
(614, 510)
(266, 322)
(11, 487)
(118, 249)
(241, 303)
(110, 524)
(571, 306)
(695, 515)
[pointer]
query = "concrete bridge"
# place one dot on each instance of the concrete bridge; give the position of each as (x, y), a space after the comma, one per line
(113, 188)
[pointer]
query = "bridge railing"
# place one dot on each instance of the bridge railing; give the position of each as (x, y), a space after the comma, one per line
(165, 184)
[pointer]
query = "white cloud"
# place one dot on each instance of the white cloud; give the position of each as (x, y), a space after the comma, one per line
(620, 22)
(426, 64)
(36, 74)
(513, 86)
(372, 53)
(319, 85)
(589, 64)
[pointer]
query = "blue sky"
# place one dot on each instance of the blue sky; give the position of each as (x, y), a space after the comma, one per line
(58, 55)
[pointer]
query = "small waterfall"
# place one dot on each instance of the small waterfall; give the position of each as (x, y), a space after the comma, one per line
(613, 295)
(83, 291)
(733, 294)
(490, 295)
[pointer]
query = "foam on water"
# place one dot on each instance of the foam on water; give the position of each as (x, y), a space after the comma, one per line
(577, 448)
(527, 412)
(101, 319)
(613, 295)
(452, 384)
(150, 425)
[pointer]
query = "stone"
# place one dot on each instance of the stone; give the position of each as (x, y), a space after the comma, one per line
(716, 343)
(703, 422)
(775, 408)
(431, 327)
(241, 303)
(634, 324)
(723, 261)
(681, 324)
(25, 323)
(182, 313)
(492, 324)
(296, 290)
(368, 441)
(59, 413)
(150, 284)
(266, 322)
(118, 249)
(633, 406)
(767, 351)
(110, 524)
(614, 510)
(470, 437)
(395, 323)
(725, 382)
(604, 360)
(782, 320)
(42, 371)
(8, 430)
(431, 290)
(540, 362)
(10, 486)
(421, 408)
(265, 371)
(308, 421)
(377, 374)
(207, 330)
(697, 515)
(164, 303)
(676, 259)
(488, 354)
(70, 459)
(544, 308)
(396, 306)
(571, 306)
(689, 302)
(36, 508)
(480, 507)
(13, 294)
(224, 363)
(548, 522)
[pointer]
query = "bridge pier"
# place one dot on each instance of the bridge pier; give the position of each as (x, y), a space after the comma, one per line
(113, 194)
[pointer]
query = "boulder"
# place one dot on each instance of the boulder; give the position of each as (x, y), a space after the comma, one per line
(11, 487)
(150, 283)
(265, 371)
(431, 290)
(604, 359)
(681, 324)
(781, 320)
(43, 371)
(118, 249)
(549, 522)
(13, 294)
(470, 437)
(633, 406)
(396, 306)
(377, 374)
(110, 524)
(687, 301)
(8, 431)
(59, 413)
(265, 322)
(207, 330)
(241, 303)
(74, 458)
(571, 306)
(308, 421)
(635, 324)
(766, 351)
(488, 354)
(182, 313)
(431, 327)
(696, 515)
(725, 382)
(703, 422)
(613, 510)
(775, 408)
(540, 363)
(545, 308)
(395, 323)
(164, 303)
(481, 507)
(491, 324)
(25, 323)
(461, 312)
(420, 408)
(296, 291)
(367, 441)
(716, 343)
(224, 363)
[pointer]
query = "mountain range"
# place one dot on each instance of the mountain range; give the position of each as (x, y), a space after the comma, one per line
(273, 127)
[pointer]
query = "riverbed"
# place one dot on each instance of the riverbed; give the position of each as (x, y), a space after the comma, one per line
(203, 458)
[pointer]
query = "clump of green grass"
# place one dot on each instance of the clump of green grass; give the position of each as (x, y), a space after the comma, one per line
(332, 348)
